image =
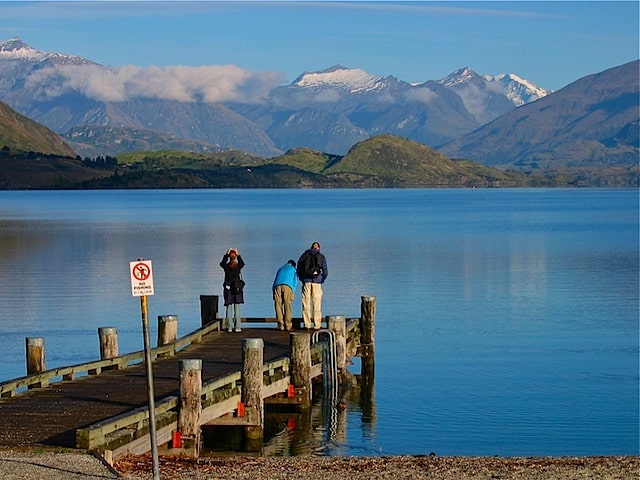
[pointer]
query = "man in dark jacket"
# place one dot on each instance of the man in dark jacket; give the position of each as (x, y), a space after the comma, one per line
(312, 272)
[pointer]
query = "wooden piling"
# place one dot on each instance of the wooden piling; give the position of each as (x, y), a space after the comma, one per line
(35, 359)
(252, 360)
(108, 342)
(367, 349)
(167, 331)
(367, 326)
(190, 406)
(338, 325)
(301, 368)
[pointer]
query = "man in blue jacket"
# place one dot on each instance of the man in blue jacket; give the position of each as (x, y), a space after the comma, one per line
(284, 288)
(312, 272)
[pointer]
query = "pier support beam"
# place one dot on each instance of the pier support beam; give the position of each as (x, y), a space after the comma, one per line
(301, 368)
(167, 331)
(35, 359)
(190, 406)
(338, 325)
(252, 361)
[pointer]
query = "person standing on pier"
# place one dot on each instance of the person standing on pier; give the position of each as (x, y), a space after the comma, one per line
(312, 272)
(284, 288)
(233, 288)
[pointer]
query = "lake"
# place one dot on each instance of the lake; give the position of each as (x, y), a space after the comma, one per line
(507, 319)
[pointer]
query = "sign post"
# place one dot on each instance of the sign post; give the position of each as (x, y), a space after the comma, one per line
(141, 286)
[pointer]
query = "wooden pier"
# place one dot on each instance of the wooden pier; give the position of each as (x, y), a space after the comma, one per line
(208, 377)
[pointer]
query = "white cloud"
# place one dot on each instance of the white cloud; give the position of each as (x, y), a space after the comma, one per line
(421, 94)
(474, 98)
(211, 84)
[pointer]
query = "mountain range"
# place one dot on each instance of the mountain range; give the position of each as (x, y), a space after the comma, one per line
(98, 112)
(587, 130)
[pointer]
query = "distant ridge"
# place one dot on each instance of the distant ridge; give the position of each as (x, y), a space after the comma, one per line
(385, 161)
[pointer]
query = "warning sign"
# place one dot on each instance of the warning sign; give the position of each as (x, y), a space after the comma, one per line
(141, 278)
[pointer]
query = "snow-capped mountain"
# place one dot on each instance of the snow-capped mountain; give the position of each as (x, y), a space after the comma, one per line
(329, 110)
(353, 80)
(459, 77)
(16, 49)
(488, 96)
(515, 88)
(518, 90)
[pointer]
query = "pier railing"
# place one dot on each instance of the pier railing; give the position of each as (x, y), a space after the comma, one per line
(43, 379)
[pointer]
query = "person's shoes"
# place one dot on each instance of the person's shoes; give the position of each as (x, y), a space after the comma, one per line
(229, 330)
(280, 328)
(238, 330)
(316, 328)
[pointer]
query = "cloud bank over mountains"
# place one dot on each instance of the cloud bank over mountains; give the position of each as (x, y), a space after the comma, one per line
(209, 84)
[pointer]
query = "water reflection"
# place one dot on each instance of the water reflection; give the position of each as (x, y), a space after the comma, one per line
(320, 430)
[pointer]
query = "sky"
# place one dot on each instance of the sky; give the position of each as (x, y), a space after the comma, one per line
(247, 44)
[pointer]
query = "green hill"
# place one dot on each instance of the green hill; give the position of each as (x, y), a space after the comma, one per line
(22, 134)
(391, 161)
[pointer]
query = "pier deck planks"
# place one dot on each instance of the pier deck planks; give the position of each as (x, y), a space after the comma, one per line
(49, 417)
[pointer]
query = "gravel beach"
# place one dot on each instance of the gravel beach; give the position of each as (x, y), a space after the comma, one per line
(70, 466)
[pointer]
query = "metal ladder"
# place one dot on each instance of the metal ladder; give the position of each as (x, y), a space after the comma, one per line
(329, 378)
(329, 363)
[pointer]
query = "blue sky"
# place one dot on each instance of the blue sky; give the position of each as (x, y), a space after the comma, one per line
(549, 43)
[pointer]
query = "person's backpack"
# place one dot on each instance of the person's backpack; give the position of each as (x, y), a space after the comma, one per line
(311, 265)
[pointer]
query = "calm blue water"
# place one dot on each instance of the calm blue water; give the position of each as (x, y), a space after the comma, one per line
(507, 320)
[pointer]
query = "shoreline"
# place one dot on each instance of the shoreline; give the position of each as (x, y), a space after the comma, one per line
(389, 468)
(71, 465)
